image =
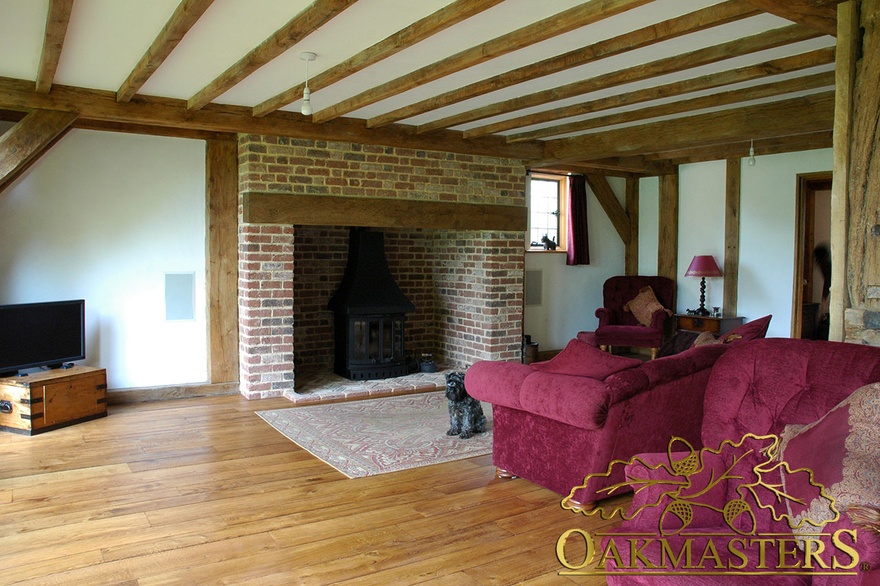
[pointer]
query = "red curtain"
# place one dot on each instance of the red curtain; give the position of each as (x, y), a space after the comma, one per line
(578, 252)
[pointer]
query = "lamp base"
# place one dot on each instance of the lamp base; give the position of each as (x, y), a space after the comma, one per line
(702, 312)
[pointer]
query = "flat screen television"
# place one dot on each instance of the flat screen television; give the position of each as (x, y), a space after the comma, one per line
(41, 334)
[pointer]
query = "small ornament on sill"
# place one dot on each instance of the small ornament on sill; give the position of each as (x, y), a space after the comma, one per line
(548, 244)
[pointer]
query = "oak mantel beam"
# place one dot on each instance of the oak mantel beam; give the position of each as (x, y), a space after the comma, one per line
(322, 210)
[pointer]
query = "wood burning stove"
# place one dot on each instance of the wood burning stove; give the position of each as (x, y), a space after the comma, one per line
(369, 313)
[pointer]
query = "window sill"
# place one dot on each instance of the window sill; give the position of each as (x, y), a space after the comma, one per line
(542, 251)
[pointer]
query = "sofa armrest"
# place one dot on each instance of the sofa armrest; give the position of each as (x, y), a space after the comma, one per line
(496, 382)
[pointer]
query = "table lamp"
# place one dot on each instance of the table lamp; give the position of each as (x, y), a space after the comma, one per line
(703, 266)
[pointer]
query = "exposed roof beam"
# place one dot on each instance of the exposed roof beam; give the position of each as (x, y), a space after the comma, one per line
(774, 38)
(565, 21)
(430, 25)
(738, 150)
(765, 90)
(28, 140)
(185, 16)
(717, 15)
(803, 115)
(170, 113)
(638, 166)
(56, 29)
(317, 14)
(779, 66)
(820, 15)
(608, 200)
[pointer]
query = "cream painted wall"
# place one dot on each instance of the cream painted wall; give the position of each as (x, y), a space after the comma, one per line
(572, 294)
(767, 244)
(103, 216)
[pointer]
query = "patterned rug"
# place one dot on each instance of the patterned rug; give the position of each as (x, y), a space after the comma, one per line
(375, 436)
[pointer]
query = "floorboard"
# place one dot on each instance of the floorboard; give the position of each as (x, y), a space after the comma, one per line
(203, 491)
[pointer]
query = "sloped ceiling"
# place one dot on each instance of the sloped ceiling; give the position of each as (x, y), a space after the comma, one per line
(621, 85)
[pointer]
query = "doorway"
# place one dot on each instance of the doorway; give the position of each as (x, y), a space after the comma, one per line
(809, 316)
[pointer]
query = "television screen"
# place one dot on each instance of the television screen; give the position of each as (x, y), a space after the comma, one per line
(41, 334)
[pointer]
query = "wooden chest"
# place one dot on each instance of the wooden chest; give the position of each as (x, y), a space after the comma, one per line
(56, 398)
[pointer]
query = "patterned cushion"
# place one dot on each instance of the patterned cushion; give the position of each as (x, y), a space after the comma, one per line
(644, 305)
(757, 328)
(843, 451)
(581, 359)
(705, 339)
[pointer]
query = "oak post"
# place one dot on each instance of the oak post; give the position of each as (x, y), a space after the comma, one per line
(221, 210)
(731, 237)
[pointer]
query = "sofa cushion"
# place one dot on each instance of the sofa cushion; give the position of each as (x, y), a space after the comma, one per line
(582, 359)
(643, 306)
(842, 449)
(757, 328)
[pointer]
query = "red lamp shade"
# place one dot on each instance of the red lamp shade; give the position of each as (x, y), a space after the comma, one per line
(703, 266)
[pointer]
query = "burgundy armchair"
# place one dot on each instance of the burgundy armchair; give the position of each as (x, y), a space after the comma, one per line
(619, 327)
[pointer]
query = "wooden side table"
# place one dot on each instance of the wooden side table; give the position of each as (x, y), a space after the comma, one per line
(698, 323)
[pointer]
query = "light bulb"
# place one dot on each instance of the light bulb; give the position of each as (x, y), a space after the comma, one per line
(306, 108)
(752, 161)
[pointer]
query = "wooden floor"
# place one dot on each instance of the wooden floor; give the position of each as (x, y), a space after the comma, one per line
(202, 491)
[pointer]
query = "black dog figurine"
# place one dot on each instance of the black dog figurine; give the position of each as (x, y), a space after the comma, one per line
(465, 413)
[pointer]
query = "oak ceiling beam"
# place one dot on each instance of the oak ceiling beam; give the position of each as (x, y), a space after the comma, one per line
(638, 166)
(319, 13)
(566, 21)
(767, 90)
(28, 140)
(744, 46)
(820, 15)
(101, 106)
(774, 67)
(57, 21)
(802, 115)
(717, 15)
(740, 149)
(185, 16)
(418, 31)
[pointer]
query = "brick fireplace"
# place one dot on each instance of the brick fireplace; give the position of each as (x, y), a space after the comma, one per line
(466, 284)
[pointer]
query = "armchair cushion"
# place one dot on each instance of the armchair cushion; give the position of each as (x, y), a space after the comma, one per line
(582, 359)
(644, 305)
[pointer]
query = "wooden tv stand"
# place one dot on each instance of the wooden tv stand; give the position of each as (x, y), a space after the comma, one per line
(44, 401)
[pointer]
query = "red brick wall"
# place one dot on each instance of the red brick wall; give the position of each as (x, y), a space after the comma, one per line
(467, 287)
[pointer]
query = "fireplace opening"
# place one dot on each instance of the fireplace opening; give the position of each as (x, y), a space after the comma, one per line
(369, 313)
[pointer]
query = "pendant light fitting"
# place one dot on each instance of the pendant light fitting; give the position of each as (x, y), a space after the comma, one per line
(306, 107)
(752, 161)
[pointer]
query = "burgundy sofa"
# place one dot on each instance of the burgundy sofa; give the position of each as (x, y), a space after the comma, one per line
(554, 422)
(813, 395)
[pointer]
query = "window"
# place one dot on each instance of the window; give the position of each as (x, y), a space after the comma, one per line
(547, 210)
